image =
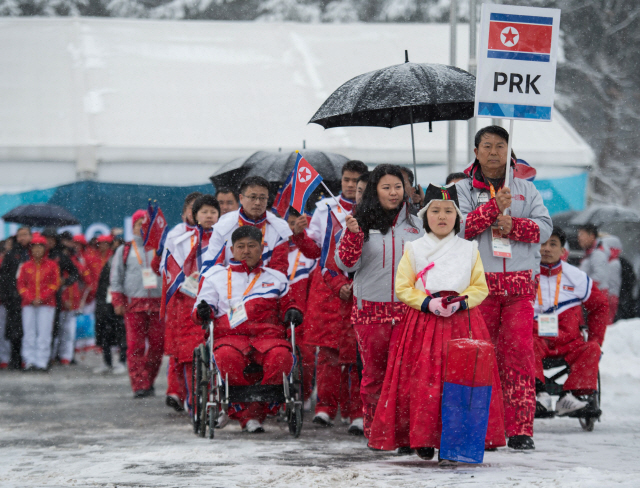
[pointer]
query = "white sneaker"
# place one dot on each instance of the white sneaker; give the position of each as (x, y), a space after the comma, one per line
(102, 369)
(569, 404)
(119, 368)
(223, 420)
(323, 419)
(357, 427)
(254, 427)
(545, 400)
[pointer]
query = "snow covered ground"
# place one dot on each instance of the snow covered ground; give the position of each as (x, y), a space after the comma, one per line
(71, 428)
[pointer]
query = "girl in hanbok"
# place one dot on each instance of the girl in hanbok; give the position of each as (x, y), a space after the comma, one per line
(434, 269)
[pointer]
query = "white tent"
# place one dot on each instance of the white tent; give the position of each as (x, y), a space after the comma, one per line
(167, 102)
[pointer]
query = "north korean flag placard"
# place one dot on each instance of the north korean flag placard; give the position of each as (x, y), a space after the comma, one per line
(305, 180)
(517, 57)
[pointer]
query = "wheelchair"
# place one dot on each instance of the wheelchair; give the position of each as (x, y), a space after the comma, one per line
(588, 416)
(211, 393)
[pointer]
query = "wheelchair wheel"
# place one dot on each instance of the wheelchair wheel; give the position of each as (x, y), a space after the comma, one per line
(294, 409)
(195, 382)
(203, 387)
(212, 421)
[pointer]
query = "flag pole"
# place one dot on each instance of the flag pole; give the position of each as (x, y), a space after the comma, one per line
(334, 198)
(507, 175)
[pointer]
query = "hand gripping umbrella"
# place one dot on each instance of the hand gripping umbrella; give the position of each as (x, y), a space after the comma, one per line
(398, 95)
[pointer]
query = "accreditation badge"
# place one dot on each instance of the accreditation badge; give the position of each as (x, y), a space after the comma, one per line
(149, 279)
(548, 325)
(501, 245)
(190, 285)
(483, 197)
(237, 315)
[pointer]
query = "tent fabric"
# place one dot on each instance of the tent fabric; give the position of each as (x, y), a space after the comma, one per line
(168, 102)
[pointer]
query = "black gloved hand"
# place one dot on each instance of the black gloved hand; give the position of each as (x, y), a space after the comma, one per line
(294, 316)
(204, 312)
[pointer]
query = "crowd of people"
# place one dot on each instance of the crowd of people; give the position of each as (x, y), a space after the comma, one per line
(413, 269)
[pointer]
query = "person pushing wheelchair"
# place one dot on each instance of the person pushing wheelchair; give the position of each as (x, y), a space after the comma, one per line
(248, 303)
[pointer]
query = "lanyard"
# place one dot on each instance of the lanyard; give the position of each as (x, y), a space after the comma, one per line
(135, 248)
(295, 267)
(246, 292)
(493, 190)
(555, 302)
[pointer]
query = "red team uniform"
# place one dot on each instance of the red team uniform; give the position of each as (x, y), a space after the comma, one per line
(260, 339)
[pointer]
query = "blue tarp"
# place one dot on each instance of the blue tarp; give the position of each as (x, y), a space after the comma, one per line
(107, 203)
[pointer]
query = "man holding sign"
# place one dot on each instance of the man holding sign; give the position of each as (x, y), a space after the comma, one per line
(516, 79)
(509, 245)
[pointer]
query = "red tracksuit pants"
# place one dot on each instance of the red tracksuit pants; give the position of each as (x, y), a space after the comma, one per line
(144, 328)
(177, 382)
(231, 362)
(509, 320)
(330, 372)
(373, 343)
(308, 354)
(582, 357)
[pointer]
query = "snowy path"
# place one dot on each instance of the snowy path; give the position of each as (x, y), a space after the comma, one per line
(71, 428)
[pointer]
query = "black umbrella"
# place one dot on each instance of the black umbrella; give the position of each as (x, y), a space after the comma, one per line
(276, 166)
(40, 215)
(398, 95)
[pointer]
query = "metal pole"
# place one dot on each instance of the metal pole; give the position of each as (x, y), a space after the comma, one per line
(413, 149)
(507, 175)
(453, 26)
(473, 68)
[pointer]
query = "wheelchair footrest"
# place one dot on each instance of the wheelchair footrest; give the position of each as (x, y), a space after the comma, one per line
(256, 393)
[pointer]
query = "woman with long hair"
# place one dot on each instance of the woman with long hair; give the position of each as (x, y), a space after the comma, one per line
(371, 247)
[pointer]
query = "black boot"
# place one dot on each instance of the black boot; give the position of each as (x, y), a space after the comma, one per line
(404, 451)
(426, 453)
(521, 443)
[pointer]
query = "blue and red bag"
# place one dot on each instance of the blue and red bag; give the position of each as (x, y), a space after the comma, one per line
(466, 396)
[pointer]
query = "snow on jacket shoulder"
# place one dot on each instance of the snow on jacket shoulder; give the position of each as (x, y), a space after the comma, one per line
(531, 226)
(375, 261)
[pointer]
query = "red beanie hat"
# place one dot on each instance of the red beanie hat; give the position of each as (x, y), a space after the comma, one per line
(138, 214)
(105, 238)
(38, 239)
(80, 239)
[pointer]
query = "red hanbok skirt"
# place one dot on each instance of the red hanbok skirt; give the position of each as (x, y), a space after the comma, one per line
(409, 411)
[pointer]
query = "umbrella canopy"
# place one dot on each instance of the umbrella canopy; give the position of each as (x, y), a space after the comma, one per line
(604, 214)
(276, 166)
(399, 95)
(40, 215)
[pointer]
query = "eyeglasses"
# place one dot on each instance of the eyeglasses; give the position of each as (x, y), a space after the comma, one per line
(257, 198)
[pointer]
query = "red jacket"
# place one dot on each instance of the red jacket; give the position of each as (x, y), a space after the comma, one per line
(94, 262)
(576, 289)
(39, 281)
(266, 303)
(72, 295)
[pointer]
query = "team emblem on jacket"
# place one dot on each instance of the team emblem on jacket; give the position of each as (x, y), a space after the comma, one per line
(267, 285)
(412, 230)
(568, 288)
